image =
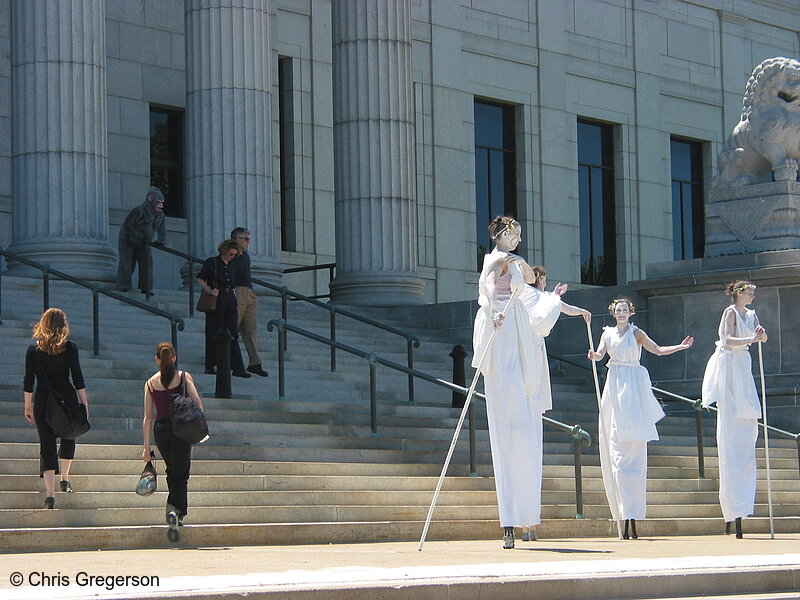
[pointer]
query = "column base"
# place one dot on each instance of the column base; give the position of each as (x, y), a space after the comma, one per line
(267, 269)
(92, 260)
(377, 289)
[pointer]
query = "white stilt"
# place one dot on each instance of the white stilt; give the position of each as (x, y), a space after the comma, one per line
(766, 439)
(612, 493)
(470, 394)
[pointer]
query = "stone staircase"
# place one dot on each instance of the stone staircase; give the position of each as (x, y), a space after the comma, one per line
(306, 469)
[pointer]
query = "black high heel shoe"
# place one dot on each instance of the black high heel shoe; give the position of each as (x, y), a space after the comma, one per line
(49, 502)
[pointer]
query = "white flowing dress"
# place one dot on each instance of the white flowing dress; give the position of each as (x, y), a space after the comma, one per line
(517, 385)
(728, 383)
(628, 421)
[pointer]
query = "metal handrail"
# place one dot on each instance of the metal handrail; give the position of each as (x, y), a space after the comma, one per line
(176, 323)
(329, 266)
(580, 436)
(412, 341)
(698, 407)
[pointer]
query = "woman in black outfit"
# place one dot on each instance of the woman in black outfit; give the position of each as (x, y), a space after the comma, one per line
(218, 278)
(177, 453)
(51, 361)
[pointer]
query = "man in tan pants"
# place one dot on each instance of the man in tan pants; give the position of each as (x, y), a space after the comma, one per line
(246, 301)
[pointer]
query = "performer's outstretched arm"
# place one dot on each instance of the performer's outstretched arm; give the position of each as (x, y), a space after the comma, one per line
(649, 345)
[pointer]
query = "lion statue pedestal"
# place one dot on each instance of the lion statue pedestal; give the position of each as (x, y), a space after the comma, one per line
(753, 218)
(754, 204)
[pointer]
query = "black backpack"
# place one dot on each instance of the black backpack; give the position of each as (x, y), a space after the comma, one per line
(188, 421)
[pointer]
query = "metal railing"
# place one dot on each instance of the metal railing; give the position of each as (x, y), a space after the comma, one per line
(412, 341)
(330, 266)
(697, 405)
(176, 323)
(580, 437)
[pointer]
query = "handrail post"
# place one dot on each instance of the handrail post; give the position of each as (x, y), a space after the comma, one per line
(1, 290)
(45, 287)
(96, 323)
(410, 352)
(698, 419)
(191, 288)
(333, 338)
(373, 395)
(458, 354)
(174, 332)
(285, 317)
(576, 449)
(223, 340)
(797, 441)
(473, 459)
(281, 362)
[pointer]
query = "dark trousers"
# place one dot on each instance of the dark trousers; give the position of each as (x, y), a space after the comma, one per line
(177, 455)
(226, 315)
(48, 456)
(129, 258)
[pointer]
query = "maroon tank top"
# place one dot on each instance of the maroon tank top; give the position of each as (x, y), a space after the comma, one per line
(162, 399)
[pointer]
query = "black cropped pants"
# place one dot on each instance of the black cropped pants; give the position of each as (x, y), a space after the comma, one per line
(177, 455)
(49, 452)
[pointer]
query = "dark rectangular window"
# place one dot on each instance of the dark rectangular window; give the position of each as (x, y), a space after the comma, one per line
(495, 168)
(596, 200)
(166, 158)
(287, 155)
(688, 213)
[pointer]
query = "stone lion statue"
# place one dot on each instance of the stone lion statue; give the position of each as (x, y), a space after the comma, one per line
(765, 144)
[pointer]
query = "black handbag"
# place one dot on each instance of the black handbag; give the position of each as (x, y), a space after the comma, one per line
(147, 481)
(187, 420)
(64, 413)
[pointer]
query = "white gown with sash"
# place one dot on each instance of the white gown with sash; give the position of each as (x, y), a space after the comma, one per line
(630, 412)
(728, 383)
(517, 385)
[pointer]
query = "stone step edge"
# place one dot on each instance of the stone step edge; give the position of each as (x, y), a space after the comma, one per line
(300, 533)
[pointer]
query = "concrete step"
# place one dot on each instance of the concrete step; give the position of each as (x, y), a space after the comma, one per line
(153, 535)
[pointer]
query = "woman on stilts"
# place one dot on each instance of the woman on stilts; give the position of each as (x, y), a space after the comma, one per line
(515, 371)
(629, 414)
(728, 382)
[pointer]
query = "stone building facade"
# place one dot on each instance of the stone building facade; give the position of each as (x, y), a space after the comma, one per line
(377, 134)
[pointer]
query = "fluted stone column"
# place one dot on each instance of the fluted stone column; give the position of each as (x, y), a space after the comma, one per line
(59, 151)
(373, 133)
(229, 127)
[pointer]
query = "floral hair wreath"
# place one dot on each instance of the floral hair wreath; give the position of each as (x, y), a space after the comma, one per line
(742, 288)
(614, 303)
(509, 229)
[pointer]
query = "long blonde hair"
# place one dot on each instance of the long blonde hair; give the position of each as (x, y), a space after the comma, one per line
(52, 331)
